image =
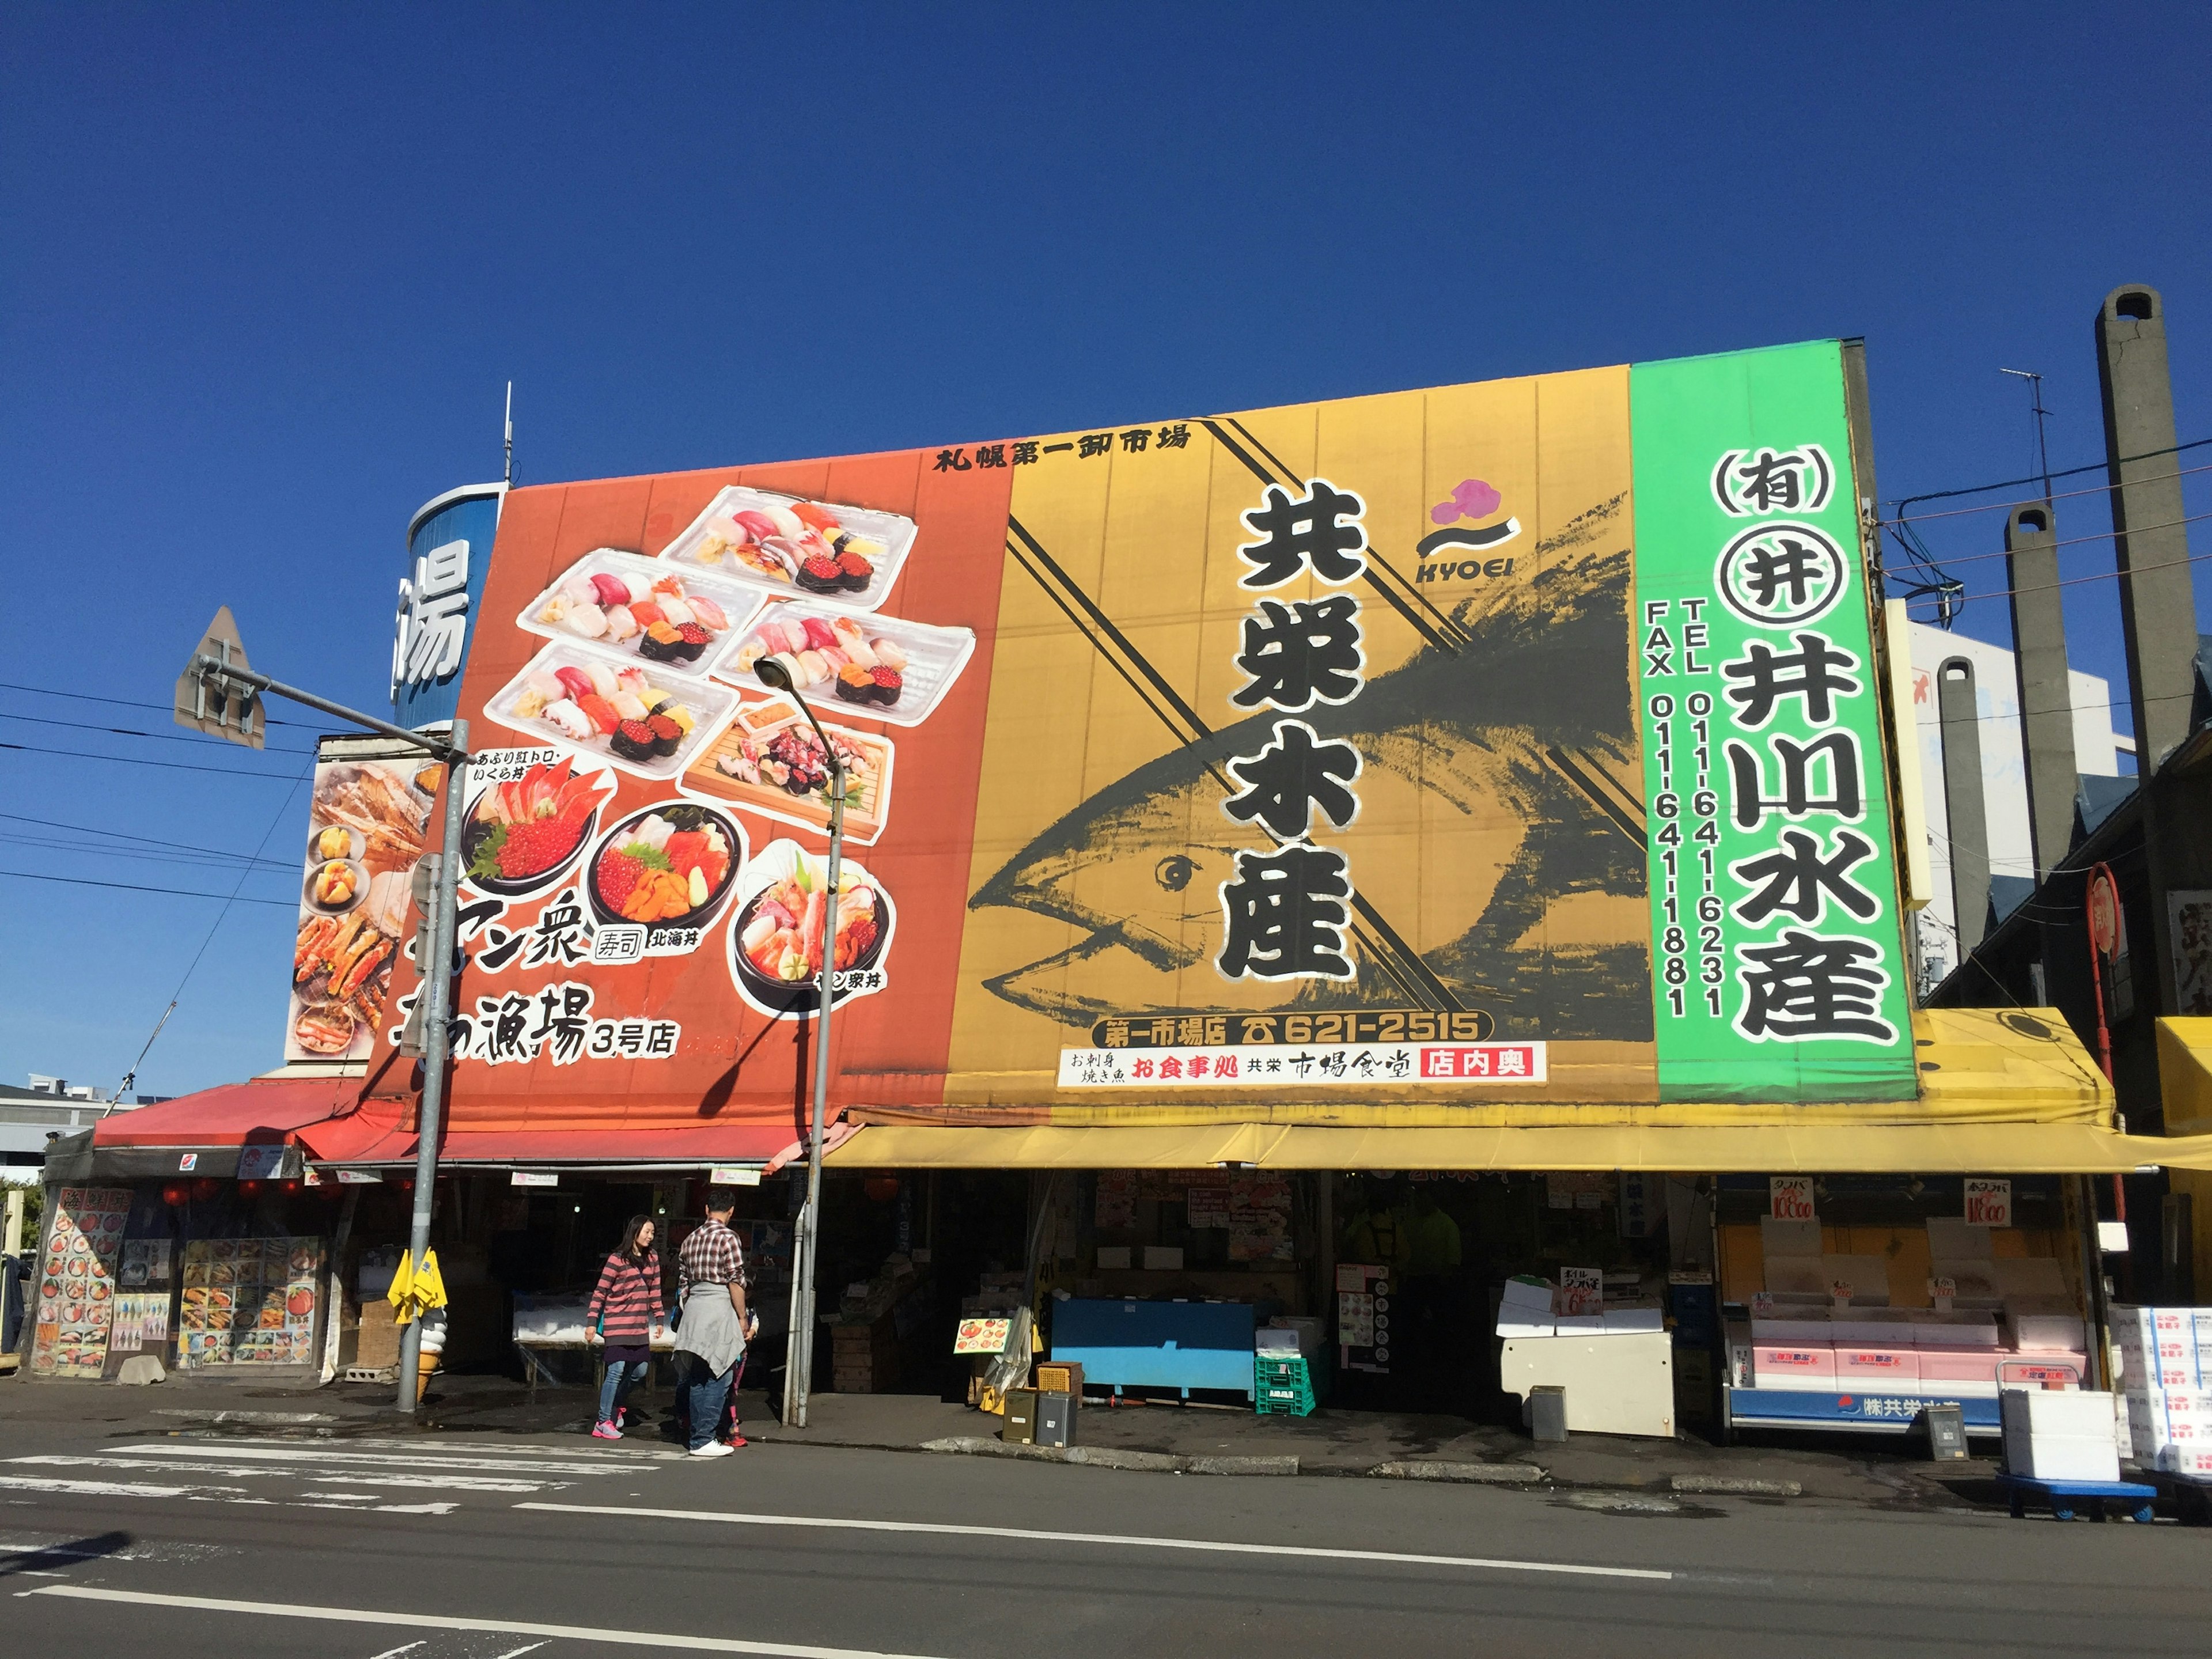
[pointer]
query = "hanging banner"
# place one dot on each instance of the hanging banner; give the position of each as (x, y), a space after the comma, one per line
(1341, 753)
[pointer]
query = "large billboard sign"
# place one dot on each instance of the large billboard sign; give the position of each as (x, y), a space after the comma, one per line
(1493, 743)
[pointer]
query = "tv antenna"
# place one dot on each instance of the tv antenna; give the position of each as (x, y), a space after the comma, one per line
(2042, 454)
(510, 439)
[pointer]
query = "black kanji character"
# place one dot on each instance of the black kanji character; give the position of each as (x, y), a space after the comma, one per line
(1026, 453)
(1767, 680)
(1291, 776)
(1300, 653)
(951, 460)
(1295, 534)
(1054, 449)
(508, 1017)
(1770, 481)
(1174, 437)
(1135, 438)
(1285, 915)
(1094, 443)
(560, 936)
(1787, 562)
(1796, 878)
(1844, 798)
(500, 948)
(1804, 986)
(562, 1020)
(990, 454)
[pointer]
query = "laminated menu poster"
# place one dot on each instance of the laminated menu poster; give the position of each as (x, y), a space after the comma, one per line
(76, 1305)
(1259, 1218)
(249, 1302)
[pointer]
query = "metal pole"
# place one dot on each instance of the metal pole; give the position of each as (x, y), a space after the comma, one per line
(444, 749)
(437, 994)
(798, 1368)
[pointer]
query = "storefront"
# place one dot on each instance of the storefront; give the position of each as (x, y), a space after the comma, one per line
(1333, 864)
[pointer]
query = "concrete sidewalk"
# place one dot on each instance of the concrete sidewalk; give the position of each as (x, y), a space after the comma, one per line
(1162, 1437)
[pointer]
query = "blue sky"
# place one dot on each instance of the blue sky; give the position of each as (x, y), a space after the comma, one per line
(267, 271)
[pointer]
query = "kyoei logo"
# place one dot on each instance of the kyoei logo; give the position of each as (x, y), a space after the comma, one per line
(1465, 549)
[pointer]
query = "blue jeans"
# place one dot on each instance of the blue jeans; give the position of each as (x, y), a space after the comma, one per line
(705, 1395)
(615, 1386)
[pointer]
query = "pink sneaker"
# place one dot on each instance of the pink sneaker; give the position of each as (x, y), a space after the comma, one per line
(605, 1431)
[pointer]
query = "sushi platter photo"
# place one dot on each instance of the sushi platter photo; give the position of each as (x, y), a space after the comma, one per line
(522, 835)
(883, 667)
(637, 716)
(669, 867)
(776, 937)
(673, 620)
(850, 555)
(768, 761)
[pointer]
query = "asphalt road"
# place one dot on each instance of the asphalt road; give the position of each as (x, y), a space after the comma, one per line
(242, 1544)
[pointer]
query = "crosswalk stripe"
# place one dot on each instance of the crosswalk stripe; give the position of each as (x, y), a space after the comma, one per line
(332, 1458)
(243, 1471)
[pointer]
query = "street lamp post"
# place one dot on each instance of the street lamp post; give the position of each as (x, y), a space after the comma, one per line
(213, 680)
(799, 1349)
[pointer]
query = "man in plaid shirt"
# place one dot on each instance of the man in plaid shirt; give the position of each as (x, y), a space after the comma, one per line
(714, 1325)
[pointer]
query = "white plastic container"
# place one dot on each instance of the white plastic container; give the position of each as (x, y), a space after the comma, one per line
(737, 602)
(2052, 1435)
(695, 547)
(934, 658)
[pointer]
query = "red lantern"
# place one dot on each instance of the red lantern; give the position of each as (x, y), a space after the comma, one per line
(205, 1188)
(175, 1194)
(881, 1189)
(249, 1190)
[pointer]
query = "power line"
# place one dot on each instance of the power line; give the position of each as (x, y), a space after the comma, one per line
(132, 887)
(127, 731)
(2063, 495)
(2077, 541)
(2068, 472)
(132, 760)
(117, 834)
(198, 860)
(126, 703)
(2099, 576)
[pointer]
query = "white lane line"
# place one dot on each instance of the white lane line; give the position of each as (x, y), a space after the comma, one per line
(517, 1653)
(333, 1459)
(1122, 1540)
(394, 1653)
(102, 1488)
(245, 1472)
(636, 1638)
(570, 1448)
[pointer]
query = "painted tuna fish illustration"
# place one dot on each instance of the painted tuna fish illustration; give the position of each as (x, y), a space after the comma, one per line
(1512, 757)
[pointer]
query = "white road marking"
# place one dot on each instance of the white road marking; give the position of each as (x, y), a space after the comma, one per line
(246, 1471)
(416, 1509)
(70, 1547)
(636, 1638)
(346, 1497)
(102, 1488)
(394, 1653)
(1116, 1539)
(331, 1457)
(517, 1653)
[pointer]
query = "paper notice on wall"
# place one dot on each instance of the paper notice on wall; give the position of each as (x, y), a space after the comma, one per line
(1989, 1202)
(1114, 1208)
(1789, 1198)
(1207, 1206)
(1582, 1290)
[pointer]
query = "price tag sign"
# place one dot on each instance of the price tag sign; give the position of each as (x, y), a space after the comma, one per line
(1941, 1291)
(1762, 1305)
(1582, 1290)
(1789, 1198)
(1839, 1293)
(1989, 1202)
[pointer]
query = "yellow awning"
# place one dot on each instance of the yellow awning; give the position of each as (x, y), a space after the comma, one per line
(2185, 1074)
(1825, 1149)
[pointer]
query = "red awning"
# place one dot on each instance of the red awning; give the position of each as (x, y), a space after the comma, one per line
(361, 1140)
(259, 1112)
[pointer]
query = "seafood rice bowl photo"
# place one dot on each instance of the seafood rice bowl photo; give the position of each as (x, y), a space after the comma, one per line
(671, 866)
(523, 834)
(775, 940)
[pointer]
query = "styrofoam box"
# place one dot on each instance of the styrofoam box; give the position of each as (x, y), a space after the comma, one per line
(2047, 1371)
(1795, 1330)
(2028, 1275)
(2056, 1412)
(1867, 1275)
(1648, 1318)
(1959, 1364)
(1954, 1330)
(1305, 1327)
(2064, 1457)
(1581, 1324)
(1778, 1365)
(1157, 1257)
(1796, 1275)
(1972, 1279)
(2045, 1327)
(1857, 1365)
(1267, 1341)
(1513, 1324)
(1954, 1238)
(1520, 1293)
(1112, 1255)
(1881, 1327)
(1788, 1238)
(2185, 1459)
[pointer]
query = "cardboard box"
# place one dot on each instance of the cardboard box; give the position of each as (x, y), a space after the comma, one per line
(1060, 1375)
(380, 1335)
(1021, 1410)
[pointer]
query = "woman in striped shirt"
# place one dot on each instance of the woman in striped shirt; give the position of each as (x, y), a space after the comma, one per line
(622, 1309)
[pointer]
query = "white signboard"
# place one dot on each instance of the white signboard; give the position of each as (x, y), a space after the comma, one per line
(1989, 1203)
(1789, 1198)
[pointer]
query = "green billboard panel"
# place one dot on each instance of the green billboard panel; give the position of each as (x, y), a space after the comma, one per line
(1778, 971)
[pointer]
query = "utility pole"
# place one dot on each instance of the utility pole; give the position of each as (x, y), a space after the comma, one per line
(219, 694)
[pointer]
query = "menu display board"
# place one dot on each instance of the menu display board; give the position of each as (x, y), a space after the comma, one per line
(77, 1285)
(249, 1302)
